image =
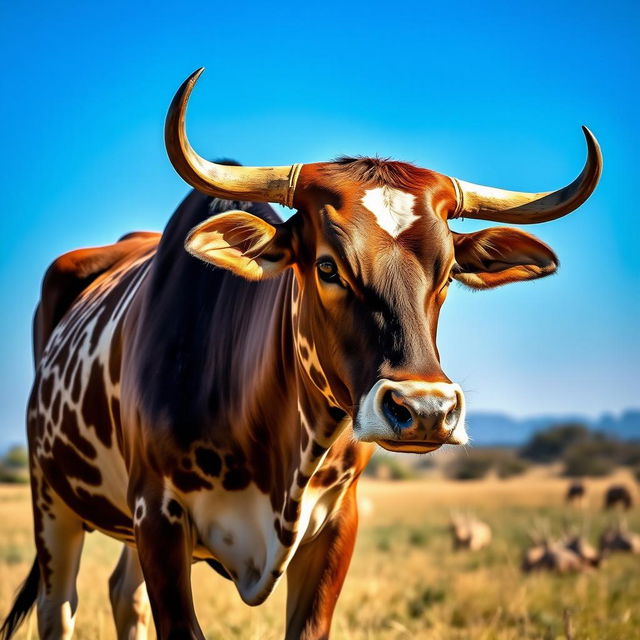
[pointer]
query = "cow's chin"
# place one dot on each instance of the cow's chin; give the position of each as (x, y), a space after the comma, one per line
(410, 446)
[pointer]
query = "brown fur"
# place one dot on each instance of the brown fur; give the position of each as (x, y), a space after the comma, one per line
(162, 382)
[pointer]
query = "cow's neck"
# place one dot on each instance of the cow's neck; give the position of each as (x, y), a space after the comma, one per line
(314, 419)
(289, 401)
(289, 423)
(320, 416)
(280, 411)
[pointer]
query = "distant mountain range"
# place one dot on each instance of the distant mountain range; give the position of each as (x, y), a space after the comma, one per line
(487, 428)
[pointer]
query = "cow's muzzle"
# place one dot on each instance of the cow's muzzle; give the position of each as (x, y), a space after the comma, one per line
(412, 415)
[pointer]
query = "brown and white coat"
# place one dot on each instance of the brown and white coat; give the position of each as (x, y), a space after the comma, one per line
(224, 413)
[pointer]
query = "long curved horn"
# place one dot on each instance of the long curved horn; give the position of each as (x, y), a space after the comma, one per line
(498, 205)
(256, 184)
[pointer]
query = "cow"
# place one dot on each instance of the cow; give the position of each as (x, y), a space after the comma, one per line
(219, 403)
(618, 495)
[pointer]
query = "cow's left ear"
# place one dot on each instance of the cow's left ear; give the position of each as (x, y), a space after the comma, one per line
(496, 256)
(243, 243)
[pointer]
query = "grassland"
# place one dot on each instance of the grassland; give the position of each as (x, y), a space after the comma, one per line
(405, 581)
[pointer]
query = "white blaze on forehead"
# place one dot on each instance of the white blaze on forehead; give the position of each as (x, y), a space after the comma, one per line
(392, 208)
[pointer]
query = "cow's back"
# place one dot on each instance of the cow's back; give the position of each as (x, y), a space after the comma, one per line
(74, 426)
(69, 275)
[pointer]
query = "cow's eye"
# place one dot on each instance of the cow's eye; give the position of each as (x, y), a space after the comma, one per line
(446, 284)
(328, 271)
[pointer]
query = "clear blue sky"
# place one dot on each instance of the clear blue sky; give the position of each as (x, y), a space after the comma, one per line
(492, 92)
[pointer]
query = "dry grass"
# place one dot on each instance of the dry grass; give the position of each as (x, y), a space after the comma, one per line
(405, 581)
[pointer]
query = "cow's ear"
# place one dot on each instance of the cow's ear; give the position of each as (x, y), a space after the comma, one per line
(243, 243)
(496, 256)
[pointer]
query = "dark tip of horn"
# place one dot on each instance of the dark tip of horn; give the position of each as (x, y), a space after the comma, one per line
(198, 72)
(592, 143)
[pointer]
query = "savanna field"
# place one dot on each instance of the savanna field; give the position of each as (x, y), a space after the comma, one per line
(405, 580)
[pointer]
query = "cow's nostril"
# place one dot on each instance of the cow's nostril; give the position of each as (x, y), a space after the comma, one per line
(451, 418)
(395, 412)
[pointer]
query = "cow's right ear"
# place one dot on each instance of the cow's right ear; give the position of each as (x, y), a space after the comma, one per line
(243, 243)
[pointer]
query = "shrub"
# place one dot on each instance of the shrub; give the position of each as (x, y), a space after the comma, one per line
(550, 444)
(630, 454)
(473, 466)
(389, 467)
(384, 537)
(373, 466)
(477, 463)
(17, 457)
(424, 599)
(13, 475)
(511, 466)
(591, 458)
(418, 538)
(14, 465)
(399, 470)
(14, 554)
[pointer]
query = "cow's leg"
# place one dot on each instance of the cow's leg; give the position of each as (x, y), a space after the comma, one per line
(59, 538)
(316, 574)
(165, 543)
(128, 595)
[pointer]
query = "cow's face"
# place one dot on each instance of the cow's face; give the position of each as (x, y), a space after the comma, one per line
(373, 258)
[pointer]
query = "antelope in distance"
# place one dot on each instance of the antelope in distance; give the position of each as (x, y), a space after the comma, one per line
(583, 549)
(219, 403)
(576, 540)
(552, 556)
(469, 533)
(619, 538)
(569, 554)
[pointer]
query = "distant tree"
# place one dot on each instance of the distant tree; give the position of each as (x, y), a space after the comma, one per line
(16, 457)
(386, 466)
(511, 466)
(477, 463)
(472, 465)
(630, 454)
(590, 458)
(399, 470)
(13, 465)
(550, 444)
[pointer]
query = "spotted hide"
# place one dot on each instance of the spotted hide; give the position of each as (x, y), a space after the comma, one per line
(214, 393)
(243, 485)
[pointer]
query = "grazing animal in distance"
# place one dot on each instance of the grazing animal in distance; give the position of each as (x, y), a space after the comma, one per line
(618, 495)
(568, 554)
(619, 538)
(583, 549)
(220, 403)
(469, 533)
(552, 556)
(576, 493)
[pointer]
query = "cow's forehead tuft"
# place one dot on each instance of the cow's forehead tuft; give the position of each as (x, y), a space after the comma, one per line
(378, 172)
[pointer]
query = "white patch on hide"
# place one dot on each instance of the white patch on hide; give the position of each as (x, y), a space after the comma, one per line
(392, 208)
